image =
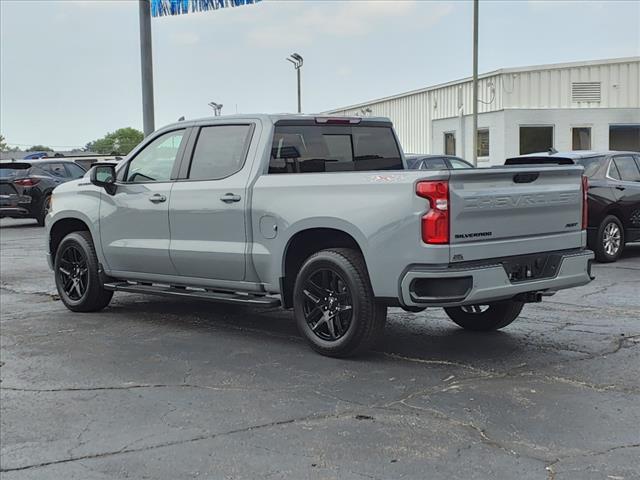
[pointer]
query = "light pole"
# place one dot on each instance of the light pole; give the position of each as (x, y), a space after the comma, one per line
(146, 61)
(217, 108)
(297, 61)
(475, 84)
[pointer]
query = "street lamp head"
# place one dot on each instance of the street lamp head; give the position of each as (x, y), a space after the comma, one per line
(217, 107)
(296, 59)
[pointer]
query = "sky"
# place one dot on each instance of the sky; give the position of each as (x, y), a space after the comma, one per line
(70, 70)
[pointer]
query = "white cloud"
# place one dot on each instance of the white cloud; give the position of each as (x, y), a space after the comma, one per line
(303, 23)
(185, 38)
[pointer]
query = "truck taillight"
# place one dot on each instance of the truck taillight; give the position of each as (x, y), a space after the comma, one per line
(585, 202)
(435, 223)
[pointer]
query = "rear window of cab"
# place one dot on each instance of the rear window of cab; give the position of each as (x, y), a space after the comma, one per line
(333, 148)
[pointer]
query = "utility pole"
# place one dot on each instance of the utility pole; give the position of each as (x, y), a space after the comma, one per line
(297, 61)
(146, 63)
(475, 84)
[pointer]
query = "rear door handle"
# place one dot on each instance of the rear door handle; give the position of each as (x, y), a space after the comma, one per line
(157, 198)
(230, 198)
(618, 187)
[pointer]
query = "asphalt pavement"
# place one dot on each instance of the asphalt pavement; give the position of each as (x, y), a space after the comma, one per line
(178, 389)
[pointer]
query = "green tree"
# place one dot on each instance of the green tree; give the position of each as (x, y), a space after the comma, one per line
(39, 148)
(3, 145)
(120, 142)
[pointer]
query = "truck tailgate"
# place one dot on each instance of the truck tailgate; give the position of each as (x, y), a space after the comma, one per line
(499, 212)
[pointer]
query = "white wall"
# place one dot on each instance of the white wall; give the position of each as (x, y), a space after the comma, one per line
(504, 129)
(494, 121)
(563, 120)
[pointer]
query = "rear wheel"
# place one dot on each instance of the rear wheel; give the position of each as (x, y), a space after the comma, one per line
(482, 318)
(44, 210)
(609, 240)
(334, 305)
(77, 274)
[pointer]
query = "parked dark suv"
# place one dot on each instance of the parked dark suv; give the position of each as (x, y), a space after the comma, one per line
(614, 196)
(26, 186)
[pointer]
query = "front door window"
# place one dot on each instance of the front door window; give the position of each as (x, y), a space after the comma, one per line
(155, 162)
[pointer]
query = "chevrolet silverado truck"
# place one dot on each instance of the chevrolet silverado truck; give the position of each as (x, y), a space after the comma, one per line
(318, 214)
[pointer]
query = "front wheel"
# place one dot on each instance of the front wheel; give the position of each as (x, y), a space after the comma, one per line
(482, 318)
(334, 305)
(77, 274)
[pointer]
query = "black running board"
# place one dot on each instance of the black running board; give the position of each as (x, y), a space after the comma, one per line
(198, 293)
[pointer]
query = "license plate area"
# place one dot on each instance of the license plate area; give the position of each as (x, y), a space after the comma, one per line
(525, 268)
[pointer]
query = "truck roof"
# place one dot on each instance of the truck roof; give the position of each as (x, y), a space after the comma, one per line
(271, 118)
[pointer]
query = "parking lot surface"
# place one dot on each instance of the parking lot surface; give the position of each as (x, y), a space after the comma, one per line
(171, 389)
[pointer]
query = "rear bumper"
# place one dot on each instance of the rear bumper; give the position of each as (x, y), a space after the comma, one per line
(423, 285)
(15, 205)
(14, 212)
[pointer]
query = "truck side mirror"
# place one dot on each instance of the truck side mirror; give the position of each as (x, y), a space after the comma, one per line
(104, 176)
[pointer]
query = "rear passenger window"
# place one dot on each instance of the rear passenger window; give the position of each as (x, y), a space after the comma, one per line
(55, 169)
(628, 169)
(220, 152)
(312, 149)
(74, 171)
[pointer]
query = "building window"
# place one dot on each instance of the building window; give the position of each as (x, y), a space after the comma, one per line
(581, 138)
(483, 142)
(536, 139)
(450, 143)
(624, 137)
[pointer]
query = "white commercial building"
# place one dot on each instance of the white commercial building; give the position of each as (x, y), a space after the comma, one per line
(591, 105)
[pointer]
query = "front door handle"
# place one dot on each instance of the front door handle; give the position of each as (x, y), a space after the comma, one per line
(619, 187)
(230, 198)
(157, 198)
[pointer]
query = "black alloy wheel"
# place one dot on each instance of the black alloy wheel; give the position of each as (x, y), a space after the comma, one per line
(77, 272)
(328, 304)
(334, 305)
(73, 272)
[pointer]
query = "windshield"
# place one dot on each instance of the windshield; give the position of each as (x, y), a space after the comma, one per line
(590, 164)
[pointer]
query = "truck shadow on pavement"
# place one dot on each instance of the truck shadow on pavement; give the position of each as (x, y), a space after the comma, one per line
(427, 335)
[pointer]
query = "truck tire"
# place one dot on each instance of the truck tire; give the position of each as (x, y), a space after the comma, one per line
(77, 274)
(609, 240)
(483, 318)
(334, 305)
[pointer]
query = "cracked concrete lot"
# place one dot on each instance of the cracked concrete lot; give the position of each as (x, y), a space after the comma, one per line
(175, 389)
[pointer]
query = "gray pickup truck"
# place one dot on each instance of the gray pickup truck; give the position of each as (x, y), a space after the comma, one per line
(320, 215)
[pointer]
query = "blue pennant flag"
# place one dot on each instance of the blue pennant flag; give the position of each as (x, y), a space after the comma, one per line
(160, 8)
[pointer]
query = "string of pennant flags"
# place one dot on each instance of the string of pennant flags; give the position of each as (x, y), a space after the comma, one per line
(160, 8)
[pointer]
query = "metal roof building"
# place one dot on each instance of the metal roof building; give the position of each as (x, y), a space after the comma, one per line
(571, 106)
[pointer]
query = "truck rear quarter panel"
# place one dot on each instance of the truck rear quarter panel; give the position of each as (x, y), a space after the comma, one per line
(380, 210)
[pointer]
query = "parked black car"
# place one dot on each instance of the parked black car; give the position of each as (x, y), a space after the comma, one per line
(26, 186)
(435, 162)
(614, 196)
